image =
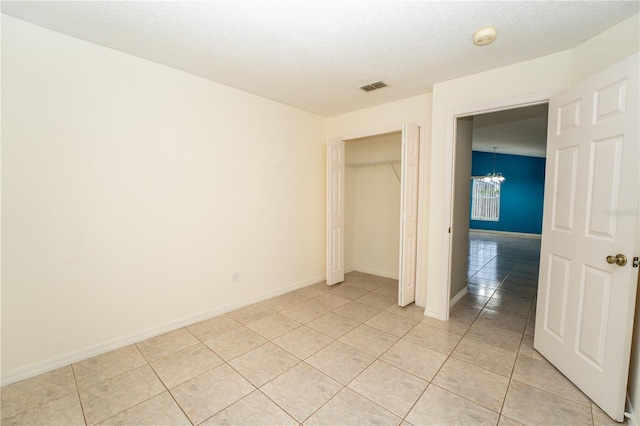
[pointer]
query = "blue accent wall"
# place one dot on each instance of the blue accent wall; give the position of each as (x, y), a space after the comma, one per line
(521, 194)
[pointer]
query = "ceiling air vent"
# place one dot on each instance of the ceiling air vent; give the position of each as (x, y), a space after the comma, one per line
(373, 86)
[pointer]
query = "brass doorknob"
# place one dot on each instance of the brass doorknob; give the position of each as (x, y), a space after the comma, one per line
(618, 259)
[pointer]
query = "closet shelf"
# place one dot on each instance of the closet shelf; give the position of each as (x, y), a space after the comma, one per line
(376, 163)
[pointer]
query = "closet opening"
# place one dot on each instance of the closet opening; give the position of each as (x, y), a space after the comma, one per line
(372, 201)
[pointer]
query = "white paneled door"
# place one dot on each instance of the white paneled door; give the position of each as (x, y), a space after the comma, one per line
(335, 211)
(587, 293)
(409, 214)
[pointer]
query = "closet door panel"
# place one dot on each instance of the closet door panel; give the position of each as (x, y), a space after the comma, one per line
(409, 214)
(335, 211)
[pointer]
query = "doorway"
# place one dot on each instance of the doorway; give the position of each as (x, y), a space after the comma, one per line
(509, 144)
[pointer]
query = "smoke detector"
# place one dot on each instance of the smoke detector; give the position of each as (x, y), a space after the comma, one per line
(485, 36)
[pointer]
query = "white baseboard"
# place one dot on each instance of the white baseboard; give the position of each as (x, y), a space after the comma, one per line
(62, 360)
(378, 273)
(507, 233)
(434, 314)
(632, 420)
(455, 299)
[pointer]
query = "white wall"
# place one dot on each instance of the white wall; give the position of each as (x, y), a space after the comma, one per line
(606, 49)
(372, 226)
(132, 191)
(377, 119)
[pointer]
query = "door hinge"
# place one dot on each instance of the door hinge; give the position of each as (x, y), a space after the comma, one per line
(635, 262)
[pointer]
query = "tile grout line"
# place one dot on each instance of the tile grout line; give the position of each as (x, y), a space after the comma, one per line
(163, 383)
(513, 369)
(75, 381)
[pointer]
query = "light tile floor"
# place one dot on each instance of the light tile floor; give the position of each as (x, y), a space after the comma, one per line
(345, 354)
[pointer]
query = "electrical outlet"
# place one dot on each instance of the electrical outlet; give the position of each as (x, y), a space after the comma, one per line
(235, 277)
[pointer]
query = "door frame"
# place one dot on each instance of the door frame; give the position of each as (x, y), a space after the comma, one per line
(443, 292)
(421, 177)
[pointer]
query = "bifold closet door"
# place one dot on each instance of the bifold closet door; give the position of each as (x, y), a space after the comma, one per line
(409, 214)
(335, 211)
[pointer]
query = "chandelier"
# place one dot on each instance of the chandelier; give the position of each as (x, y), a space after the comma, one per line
(493, 177)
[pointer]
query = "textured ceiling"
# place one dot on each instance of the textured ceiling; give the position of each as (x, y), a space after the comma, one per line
(521, 131)
(315, 54)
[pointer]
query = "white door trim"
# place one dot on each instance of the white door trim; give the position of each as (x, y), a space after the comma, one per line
(441, 303)
(369, 133)
(420, 290)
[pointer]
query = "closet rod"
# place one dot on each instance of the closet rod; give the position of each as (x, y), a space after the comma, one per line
(375, 163)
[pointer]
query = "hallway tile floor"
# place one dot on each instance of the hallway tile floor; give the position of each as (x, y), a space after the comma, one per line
(340, 355)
